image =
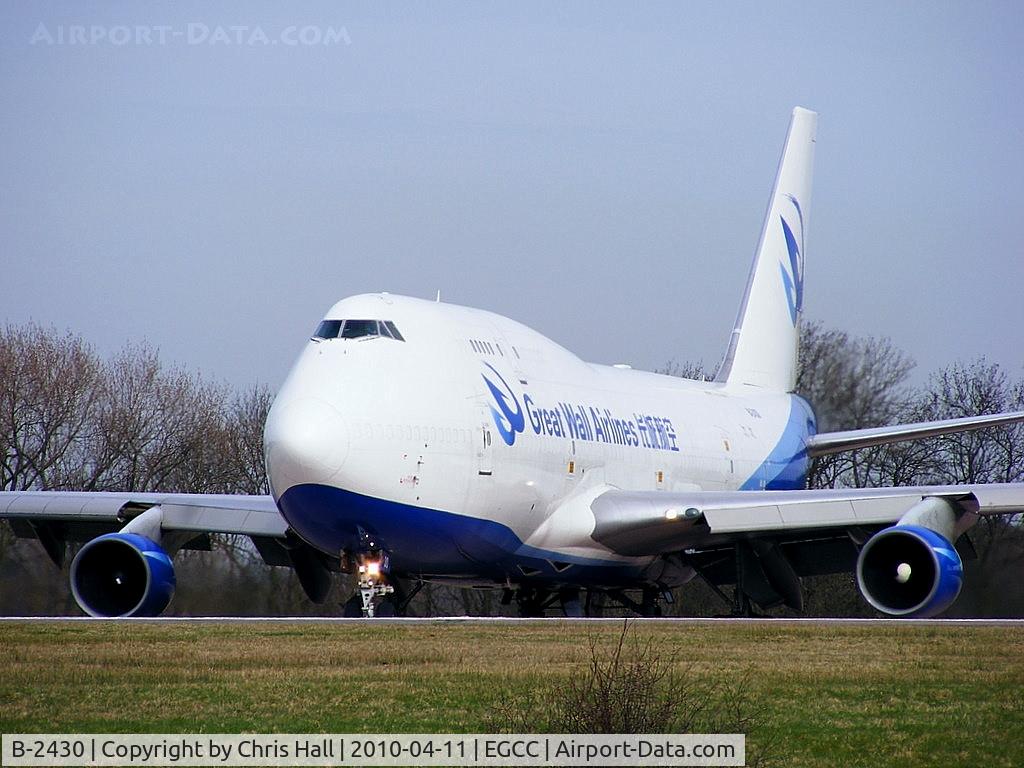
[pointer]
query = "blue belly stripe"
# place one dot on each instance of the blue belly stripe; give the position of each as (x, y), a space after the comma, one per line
(434, 542)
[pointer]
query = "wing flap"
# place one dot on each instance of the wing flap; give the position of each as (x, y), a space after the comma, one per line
(805, 515)
(998, 498)
(218, 519)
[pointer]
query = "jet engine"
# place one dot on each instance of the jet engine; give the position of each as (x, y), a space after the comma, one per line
(912, 569)
(123, 574)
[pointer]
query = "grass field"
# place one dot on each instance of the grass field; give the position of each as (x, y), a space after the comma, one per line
(901, 695)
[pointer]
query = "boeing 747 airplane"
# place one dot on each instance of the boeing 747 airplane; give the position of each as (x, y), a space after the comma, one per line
(418, 441)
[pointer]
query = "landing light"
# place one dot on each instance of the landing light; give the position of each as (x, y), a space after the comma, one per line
(674, 513)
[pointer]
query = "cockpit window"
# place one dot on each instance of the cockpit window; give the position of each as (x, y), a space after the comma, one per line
(394, 331)
(328, 329)
(356, 329)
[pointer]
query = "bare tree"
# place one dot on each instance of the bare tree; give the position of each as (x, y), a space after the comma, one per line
(993, 455)
(852, 383)
(49, 393)
(246, 416)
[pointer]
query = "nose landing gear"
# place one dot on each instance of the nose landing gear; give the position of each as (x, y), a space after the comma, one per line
(371, 563)
(372, 569)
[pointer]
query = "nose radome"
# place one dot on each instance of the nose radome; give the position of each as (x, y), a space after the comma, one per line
(306, 442)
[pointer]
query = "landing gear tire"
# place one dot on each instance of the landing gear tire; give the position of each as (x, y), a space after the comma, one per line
(531, 602)
(385, 609)
(594, 607)
(572, 606)
(650, 608)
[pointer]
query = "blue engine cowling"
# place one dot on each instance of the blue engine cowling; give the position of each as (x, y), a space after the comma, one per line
(122, 574)
(909, 571)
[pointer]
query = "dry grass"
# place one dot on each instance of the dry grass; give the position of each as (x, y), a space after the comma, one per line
(906, 695)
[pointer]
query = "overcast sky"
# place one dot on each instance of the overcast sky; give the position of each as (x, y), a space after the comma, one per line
(598, 171)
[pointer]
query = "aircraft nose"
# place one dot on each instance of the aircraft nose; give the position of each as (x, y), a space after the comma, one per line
(305, 441)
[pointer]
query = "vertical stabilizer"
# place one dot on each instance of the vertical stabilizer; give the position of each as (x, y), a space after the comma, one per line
(763, 346)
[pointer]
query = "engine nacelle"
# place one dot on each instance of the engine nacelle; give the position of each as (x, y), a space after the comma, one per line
(909, 571)
(122, 574)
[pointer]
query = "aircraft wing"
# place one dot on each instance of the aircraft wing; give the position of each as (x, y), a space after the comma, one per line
(182, 512)
(57, 517)
(835, 442)
(659, 522)
(144, 528)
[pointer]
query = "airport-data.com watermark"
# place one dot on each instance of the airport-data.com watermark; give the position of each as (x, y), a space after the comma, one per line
(194, 33)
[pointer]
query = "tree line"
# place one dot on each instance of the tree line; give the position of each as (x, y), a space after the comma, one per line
(71, 419)
(74, 421)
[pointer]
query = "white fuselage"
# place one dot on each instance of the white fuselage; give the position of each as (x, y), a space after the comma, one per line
(463, 446)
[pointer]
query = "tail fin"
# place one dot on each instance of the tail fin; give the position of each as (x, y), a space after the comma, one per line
(763, 347)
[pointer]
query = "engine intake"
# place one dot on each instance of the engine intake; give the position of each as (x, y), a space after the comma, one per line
(122, 574)
(909, 571)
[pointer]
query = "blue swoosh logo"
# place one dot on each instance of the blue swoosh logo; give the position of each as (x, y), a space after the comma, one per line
(793, 278)
(506, 420)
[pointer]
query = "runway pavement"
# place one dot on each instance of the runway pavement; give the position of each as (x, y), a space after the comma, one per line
(511, 620)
